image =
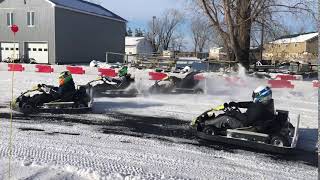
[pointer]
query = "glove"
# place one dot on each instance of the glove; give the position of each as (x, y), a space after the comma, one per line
(41, 85)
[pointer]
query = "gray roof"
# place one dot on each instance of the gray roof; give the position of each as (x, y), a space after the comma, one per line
(85, 6)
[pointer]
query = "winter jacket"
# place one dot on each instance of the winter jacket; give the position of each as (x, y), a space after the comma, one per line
(258, 114)
(66, 90)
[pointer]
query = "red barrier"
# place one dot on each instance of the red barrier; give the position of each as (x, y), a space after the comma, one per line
(199, 77)
(44, 68)
(280, 84)
(316, 84)
(235, 81)
(286, 77)
(232, 80)
(15, 67)
(75, 70)
(157, 76)
(107, 72)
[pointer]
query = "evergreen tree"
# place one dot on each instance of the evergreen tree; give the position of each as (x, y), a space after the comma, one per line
(129, 32)
(138, 33)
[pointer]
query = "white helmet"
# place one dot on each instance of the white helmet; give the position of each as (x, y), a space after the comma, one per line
(93, 63)
(262, 94)
(186, 69)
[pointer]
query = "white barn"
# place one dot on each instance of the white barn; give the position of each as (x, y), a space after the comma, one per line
(138, 46)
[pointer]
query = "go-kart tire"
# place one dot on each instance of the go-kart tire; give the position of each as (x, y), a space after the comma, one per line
(154, 90)
(133, 91)
(27, 108)
(199, 91)
(279, 141)
(210, 130)
(81, 105)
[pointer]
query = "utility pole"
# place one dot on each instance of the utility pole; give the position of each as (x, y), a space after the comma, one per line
(153, 33)
(262, 41)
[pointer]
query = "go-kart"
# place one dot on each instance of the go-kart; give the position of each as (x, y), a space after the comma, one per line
(173, 84)
(112, 87)
(278, 136)
(43, 98)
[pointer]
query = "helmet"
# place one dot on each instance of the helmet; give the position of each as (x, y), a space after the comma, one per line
(93, 63)
(123, 71)
(64, 77)
(186, 69)
(262, 94)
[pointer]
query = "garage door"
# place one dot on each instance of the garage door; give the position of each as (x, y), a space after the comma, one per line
(7, 50)
(39, 52)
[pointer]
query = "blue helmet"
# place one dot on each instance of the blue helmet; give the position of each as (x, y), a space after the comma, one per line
(262, 94)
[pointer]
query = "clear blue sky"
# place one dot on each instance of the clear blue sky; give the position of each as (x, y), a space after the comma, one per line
(139, 12)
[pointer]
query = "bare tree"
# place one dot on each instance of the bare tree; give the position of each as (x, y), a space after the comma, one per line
(201, 33)
(233, 19)
(178, 42)
(161, 30)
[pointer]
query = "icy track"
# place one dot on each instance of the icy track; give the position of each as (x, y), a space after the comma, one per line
(147, 137)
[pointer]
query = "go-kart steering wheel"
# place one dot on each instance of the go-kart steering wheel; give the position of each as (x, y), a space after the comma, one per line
(46, 89)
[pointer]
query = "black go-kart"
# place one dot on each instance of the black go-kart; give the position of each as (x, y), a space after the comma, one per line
(112, 87)
(41, 99)
(175, 85)
(281, 137)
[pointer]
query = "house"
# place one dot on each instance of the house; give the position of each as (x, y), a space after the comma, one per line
(217, 54)
(138, 45)
(137, 48)
(298, 47)
(60, 31)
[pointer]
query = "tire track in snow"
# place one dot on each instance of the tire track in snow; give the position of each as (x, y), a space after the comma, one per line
(103, 165)
(149, 157)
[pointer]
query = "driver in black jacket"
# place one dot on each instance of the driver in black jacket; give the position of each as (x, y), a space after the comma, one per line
(260, 112)
(64, 92)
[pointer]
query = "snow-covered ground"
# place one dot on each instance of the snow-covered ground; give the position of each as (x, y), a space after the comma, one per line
(147, 137)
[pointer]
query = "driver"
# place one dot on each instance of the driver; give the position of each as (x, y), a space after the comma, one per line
(167, 82)
(259, 114)
(123, 80)
(123, 75)
(66, 85)
(260, 111)
(64, 92)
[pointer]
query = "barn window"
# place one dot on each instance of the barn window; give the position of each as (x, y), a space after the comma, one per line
(10, 19)
(7, 49)
(11, 49)
(29, 49)
(30, 18)
(34, 49)
(40, 49)
(45, 49)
